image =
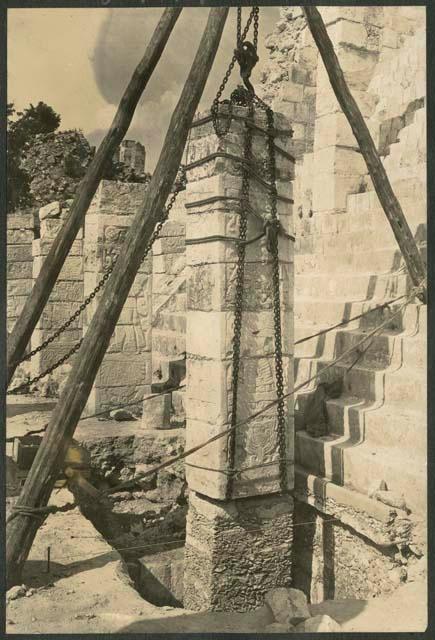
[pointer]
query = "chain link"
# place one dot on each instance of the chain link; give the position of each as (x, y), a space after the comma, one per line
(240, 281)
(180, 184)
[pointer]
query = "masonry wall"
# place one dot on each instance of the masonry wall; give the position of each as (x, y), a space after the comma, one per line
(67, 293)
(20, 235)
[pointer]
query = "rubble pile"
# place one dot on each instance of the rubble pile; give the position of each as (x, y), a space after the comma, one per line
(57, 162)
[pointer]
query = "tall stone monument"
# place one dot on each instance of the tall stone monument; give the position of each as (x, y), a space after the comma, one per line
(237, 547)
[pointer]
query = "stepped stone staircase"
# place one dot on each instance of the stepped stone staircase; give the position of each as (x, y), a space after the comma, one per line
(377, 428)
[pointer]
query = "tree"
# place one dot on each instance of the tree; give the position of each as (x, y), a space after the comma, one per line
(20, 131)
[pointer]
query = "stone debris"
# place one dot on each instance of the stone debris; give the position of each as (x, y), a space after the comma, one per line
(16, 592)
(391, 498)
(318, 624)
(122, 415)
(289, 606)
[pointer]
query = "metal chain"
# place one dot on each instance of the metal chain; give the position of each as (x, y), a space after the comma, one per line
(56, 365)
(274, 242)
(180, 184)
(223, 129)
(240, 280)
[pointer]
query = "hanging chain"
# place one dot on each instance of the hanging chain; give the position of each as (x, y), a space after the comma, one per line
(240, 281)
(180, 184)
(274, 249)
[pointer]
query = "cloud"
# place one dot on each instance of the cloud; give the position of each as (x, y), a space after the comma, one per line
(121, 42)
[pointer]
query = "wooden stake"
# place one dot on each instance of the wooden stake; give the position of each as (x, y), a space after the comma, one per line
(22, 529)
(35, 303)
(384, 191)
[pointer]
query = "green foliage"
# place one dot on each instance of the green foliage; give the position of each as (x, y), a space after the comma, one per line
(21, 130)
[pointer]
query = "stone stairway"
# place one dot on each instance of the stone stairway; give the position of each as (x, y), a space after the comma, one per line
(377, 428)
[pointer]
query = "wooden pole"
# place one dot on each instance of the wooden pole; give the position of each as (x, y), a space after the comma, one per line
(35, 303)
(384, 191)
(22, 529)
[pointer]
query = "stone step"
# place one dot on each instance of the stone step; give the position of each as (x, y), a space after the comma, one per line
(408, 191)
(389, 426)
(355, 464)
(378, 352)
(380, 261)
(407, 388)
(358, 286)
(361, 382)
(373, 421)
(405, 472)
(313, 315)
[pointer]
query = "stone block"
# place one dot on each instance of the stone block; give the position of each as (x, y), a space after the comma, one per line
(161, 577)
(19, 253)
(330, 193)
(20, 221)
(333, 129)
(50, 227)
(236, 551)
(20, 236)
(157, 412)
(289, 606)
(118, 198)
(21, 287)
(106, 398)
(52, 210)
(67, 292)
(19, 270)
(339, 161)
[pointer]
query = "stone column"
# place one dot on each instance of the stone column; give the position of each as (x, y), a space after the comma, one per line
(66, 296)
(126, 368)
(168, 318)
(238, 548)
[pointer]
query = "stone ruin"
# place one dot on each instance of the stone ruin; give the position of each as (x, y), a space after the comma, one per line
(354, 521)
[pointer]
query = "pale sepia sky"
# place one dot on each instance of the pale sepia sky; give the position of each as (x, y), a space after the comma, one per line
(80, 60)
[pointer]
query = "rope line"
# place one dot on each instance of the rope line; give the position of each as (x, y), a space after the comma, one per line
(39, 513)
(172, 542)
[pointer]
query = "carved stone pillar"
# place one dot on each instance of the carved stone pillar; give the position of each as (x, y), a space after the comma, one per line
(231, 546)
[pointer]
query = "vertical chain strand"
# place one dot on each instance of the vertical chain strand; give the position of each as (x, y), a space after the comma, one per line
(238, 311)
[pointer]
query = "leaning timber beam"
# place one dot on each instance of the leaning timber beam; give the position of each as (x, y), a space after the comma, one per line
(35, 303)
(21, 530)
(381, 183)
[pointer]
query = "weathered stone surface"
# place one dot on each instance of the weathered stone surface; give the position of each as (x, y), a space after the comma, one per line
(157, 412)
(16, 592)
(122, 415)
(318, 624)
(52, 210)
(289, 606)
(235, 551)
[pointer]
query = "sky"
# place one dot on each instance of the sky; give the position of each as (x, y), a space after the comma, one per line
(79, 61)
